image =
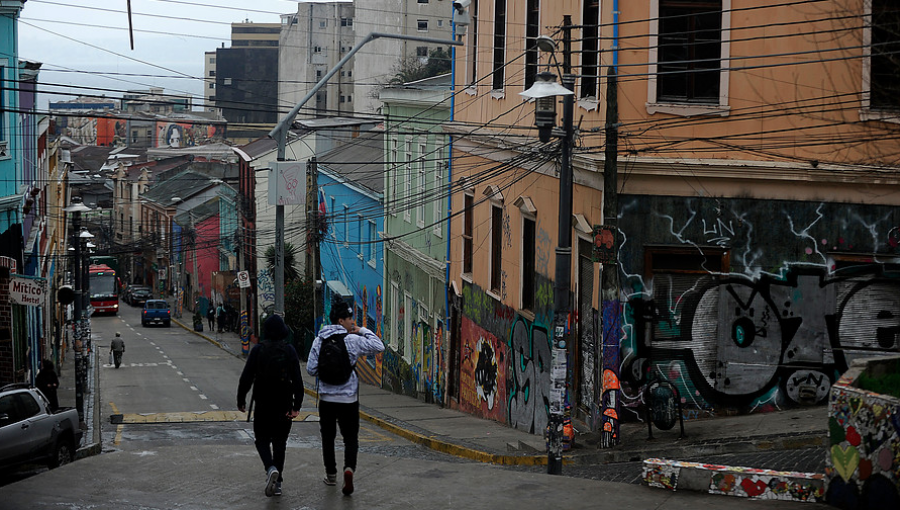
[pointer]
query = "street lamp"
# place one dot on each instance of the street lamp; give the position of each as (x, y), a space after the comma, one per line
(544, 92)
(76, 207)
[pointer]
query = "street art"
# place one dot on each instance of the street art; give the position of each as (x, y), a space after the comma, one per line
(738, 320)
(185, 134)
(529, 400)
(438, 370)
(266, 287)
(736, 481)
(378, 309)
(397, 375)
(863, 462)
(483, 373)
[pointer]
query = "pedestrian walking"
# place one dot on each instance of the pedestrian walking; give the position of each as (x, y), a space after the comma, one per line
(211, 317)
(117, 349)
(273, 370)
(48, 383)
(338, 386)
(220, 317)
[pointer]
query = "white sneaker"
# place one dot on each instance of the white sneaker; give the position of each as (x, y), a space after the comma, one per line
(330, 479)
(271, 480)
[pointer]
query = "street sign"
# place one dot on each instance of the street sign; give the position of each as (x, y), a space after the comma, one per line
(243, 278)
(287, 183)
(604, 244)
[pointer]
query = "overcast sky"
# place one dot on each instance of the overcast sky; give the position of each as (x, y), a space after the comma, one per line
(86, 42)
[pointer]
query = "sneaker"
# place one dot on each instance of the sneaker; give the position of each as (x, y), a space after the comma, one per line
(348, 482)
(330, 479)
(271, 480)
(277, 491)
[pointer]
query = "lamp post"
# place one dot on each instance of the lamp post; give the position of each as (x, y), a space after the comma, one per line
(76, 207)
(545, 91)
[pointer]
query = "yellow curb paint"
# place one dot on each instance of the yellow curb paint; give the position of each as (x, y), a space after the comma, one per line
(118, 438)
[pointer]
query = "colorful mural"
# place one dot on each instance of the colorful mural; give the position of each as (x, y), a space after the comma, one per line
(483, 373)
(863, 465)
(735, 481)
(185, 134)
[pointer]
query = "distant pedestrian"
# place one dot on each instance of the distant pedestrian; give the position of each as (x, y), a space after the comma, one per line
(273, 370)
(339, 401)
(211, 317)
(220, 317)
(48, 382)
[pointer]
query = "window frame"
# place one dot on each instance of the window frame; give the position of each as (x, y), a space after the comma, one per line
(437, 208)
(654, 105)
(867, 111)
(421, 183)
(395, 186)
(407, 168)
(468, 236)
(495, 260)
(498, 59)
(373, 237)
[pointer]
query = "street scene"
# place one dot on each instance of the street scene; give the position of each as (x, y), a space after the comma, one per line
(461, 253)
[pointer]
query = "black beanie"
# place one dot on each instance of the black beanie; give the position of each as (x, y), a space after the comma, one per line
(275, 329)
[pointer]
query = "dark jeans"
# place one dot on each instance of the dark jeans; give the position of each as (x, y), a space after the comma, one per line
(345, 416)
(271, 429)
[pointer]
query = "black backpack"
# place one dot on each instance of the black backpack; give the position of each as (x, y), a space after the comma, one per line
(273, 368)
(334, 360)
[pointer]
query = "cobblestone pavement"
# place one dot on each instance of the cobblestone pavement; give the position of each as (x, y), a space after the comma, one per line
(809, 460)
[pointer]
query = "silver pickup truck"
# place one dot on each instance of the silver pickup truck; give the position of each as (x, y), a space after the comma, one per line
(30, 433)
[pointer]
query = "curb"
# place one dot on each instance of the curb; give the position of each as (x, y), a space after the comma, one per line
(751, 483)
(208, 339)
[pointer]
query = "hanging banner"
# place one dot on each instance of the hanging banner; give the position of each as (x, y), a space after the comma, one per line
(27, 291)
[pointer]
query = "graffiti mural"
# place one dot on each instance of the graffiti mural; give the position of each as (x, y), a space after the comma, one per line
(184, 134)
(483, 372)
(752, 308)
(529, 402)
(266, 288)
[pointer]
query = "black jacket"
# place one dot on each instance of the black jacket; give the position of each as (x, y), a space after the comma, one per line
(286, 396)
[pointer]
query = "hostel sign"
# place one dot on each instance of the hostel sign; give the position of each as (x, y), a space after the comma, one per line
(27, 291)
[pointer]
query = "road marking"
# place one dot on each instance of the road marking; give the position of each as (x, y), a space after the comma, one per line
(203, 416)
(214, 406)
(185, 379)
(118, 439)
(203, 397)
(194, 388)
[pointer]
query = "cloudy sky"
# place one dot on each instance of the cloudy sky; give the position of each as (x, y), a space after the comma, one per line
(86, 42)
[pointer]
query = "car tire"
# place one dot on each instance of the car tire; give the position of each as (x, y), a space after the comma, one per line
(143, 324)
(63, 453)
(168, 324)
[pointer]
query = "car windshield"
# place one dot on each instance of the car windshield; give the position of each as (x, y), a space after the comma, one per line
(157, 305)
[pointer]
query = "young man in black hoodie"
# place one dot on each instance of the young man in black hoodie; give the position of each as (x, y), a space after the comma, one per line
(273, 369)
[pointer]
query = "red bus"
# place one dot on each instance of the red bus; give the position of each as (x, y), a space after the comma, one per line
(104, 289)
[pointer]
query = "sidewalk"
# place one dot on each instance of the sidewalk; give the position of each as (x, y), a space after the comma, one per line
(463, 435)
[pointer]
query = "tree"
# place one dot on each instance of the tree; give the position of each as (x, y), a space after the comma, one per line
(290, 259)
(410, 69)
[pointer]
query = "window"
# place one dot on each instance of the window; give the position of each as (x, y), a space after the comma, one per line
(226, 81)
(346, 225)
(319, 74)
(423, 1)
(499, 43)
(422, 25)
(437, 205)
(370, 247)
(360, 240)
(323, 23)
(342, 99)
(590, 57)
(395, 177)
(528, 257)
(333, 217)
(396, 315)
(422, 51)
(496, 246)
(440, 22)
(407, 169)
(690, 51)
(212, 85)
(884, 65)
(468, 230)
(212, 60)
(420, 196)
(212, 74)
(472, 52)
(407, 326)
(346, 22)
(317, 49)
(532, 30)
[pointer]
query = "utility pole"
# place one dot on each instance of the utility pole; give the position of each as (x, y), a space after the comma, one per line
(611, 318)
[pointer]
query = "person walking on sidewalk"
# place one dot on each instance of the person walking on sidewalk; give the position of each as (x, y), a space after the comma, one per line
(117, 348)
(220, 317)
(273, 370)
(48, 382)
(339, 401)
(211, 317)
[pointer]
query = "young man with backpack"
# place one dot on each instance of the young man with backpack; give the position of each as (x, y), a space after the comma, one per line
(273, 370)
(332, 359)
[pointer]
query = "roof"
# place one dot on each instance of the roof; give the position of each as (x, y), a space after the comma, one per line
(89, 157)
(330, 122)
(199, 213)
(360, 160)
(183, 185)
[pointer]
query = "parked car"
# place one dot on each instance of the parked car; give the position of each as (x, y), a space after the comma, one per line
(30, 433)
(137, 294)
(156, 311)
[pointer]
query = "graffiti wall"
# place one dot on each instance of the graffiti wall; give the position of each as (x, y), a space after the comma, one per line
(483, 371)
(753, 306)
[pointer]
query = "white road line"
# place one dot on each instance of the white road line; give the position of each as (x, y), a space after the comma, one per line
(185, 379)
(213, 406)
(194, 388)
(203, 397)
